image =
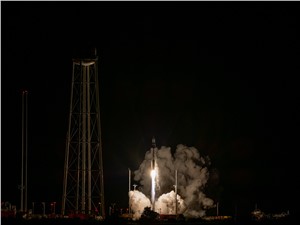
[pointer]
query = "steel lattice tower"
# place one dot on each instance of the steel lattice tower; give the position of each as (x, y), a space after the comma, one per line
(83, 188)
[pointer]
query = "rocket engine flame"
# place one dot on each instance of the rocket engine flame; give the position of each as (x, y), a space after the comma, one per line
(193, 175)
(153, 184)
(153, 174)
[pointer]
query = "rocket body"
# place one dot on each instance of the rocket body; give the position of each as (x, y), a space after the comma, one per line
(153, 174)
(153, 154)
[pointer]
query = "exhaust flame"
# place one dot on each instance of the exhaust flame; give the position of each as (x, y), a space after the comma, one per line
(153, 184)
(153, 174)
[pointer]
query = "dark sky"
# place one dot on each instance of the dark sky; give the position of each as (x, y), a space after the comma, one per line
(219, 76)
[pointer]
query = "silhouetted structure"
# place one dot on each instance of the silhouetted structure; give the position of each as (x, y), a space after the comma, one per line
(83, 188)
(23, 187)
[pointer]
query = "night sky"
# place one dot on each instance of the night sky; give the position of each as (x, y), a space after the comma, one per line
(218, 76)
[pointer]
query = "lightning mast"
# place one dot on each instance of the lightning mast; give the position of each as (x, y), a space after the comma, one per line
(83, 188)
(23, 188)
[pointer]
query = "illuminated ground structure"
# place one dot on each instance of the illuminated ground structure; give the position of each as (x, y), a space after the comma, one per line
(83, 188)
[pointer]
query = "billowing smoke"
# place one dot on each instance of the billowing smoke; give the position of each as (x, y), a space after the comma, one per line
(165, 204)
(192, 177)
(138, 201)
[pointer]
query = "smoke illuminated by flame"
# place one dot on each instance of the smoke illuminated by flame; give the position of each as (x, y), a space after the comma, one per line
(192, 177)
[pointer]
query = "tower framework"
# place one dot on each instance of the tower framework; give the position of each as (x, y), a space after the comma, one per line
(83, 187)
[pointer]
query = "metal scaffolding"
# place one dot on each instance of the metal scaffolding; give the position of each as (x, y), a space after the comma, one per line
(83, 188)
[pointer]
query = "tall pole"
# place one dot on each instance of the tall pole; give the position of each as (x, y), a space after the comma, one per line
(22, 160)
(83, 142)
(129, 179)
(24, 151)
(129, 187)
(176, 204)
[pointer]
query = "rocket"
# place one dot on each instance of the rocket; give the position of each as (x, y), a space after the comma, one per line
(153, 142)
(153, 174)
(153, 154)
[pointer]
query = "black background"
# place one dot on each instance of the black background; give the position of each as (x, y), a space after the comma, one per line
(219, 76)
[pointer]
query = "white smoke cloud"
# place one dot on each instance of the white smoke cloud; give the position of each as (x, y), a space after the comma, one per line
(192, 178)
(138, 201)
(166, 204)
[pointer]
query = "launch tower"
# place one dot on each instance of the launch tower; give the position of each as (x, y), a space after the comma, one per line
(83, 188)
